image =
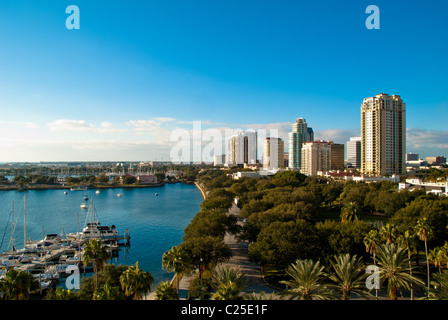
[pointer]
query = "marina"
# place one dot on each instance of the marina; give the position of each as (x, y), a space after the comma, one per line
(51, 258)
(156, 224)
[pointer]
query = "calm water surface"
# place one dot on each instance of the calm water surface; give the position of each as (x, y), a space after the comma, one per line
(155, 223)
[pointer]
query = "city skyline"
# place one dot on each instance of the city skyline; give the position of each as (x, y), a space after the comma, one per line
(120, 85)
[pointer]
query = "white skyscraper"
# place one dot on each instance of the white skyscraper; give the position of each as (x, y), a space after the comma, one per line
(354, 152)
(242, 148)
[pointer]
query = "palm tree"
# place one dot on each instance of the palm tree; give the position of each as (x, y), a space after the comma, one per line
(175, 260)
(307, 281)
(440, 283)
(107, 292)
(424, 232)
(228, 282)
(388, 233)
(165, 291)
(17, 285)
(62, 294)
(348, 275)
(349, 212)
(444, 248)
(372, 241)
(394, 269)
(437, 257)
(96, 253)
(136, 282)
(259, 296)
(408, 241)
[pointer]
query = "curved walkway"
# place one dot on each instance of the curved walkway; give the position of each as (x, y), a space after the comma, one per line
(240, 257)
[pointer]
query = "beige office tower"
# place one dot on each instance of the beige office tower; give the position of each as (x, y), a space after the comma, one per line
(383, 135)
(273, 153)
(316, 156)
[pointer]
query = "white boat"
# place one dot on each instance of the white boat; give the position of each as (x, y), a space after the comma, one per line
(10, 262)
(78, 189)
(118, 194)
(45, 284)
(57, 269)
(75, 259)
(52, 237)
(46, 276)
(83, 206)
(65, 192)
(97, 191)
(94, 229)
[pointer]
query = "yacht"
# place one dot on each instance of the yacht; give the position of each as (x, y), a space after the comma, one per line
(94, 230)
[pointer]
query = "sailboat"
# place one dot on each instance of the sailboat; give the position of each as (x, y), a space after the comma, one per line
(94, 229)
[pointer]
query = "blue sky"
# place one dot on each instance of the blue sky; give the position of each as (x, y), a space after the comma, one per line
(135, 71)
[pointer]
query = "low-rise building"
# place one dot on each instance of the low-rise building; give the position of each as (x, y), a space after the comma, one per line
(147, 179)
(438, 188)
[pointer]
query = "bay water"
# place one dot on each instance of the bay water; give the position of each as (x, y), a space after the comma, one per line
(155, 217)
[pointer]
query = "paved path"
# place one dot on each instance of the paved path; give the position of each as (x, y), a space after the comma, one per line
(240, 257)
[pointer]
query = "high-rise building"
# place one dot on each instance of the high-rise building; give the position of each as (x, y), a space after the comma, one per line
(242, 148)
(219, 159)
(383, 135)
(316, 156)
(337, 156)
(300, 134)
(354, 152)
(273, 153)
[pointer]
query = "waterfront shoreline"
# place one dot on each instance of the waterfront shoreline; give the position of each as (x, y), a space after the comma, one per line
(60, 187)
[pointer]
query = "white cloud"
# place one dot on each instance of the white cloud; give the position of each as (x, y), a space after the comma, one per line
(427, 142)
(82, 126)
(165, 119)
(23, 124)
(336, 135)
(70, 125)
(107, 125)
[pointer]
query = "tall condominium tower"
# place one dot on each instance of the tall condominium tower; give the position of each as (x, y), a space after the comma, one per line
(300, 134)
(316, 156)
(354, 152)
(242, 148)
(383, 135)
(273, 153)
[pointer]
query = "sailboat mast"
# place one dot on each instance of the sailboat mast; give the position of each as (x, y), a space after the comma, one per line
(24, 221)
(12, 227)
